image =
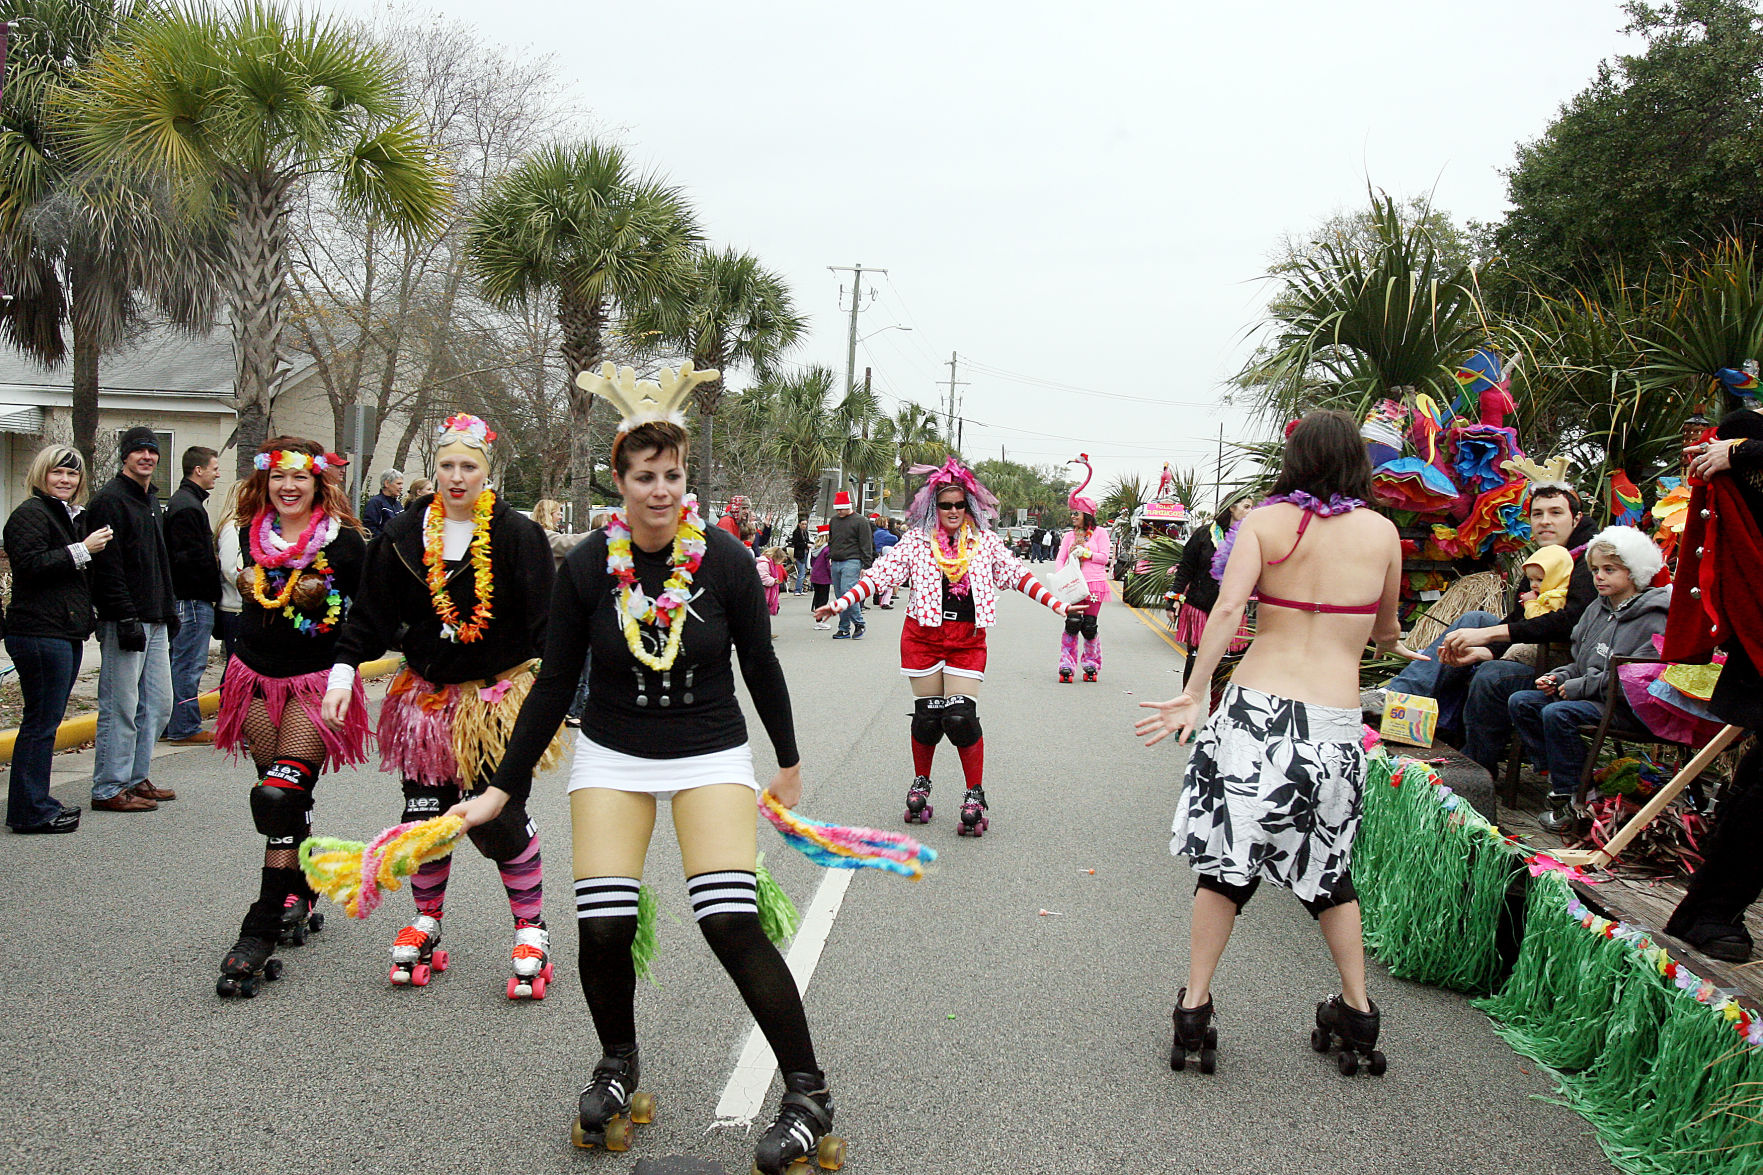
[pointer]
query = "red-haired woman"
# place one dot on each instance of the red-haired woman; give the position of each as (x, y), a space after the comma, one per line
(302, 551)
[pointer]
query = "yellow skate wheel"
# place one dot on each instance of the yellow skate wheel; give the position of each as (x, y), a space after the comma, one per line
(618, 1134)
(831, 1155)
(576, 1136)
(642, 1108)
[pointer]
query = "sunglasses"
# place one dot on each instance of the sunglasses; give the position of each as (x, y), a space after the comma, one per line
(961, 505)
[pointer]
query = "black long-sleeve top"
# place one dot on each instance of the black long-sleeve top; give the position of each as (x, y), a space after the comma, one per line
(1557, 627)
(189, 542)
(131, 578)
(1193, 575)
(393, 606)
(51, 596)
(270, 642)
(691, 709)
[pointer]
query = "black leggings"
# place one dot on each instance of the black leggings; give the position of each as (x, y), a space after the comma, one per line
(1731, 879)
(1240, 894)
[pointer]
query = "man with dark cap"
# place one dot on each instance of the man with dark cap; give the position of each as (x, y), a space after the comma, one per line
(137, 614)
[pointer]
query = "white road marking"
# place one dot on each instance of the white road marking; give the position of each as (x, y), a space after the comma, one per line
(744, 1094)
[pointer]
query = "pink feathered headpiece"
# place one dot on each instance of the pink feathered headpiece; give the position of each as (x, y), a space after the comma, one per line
(1081, 503)
(982, 504)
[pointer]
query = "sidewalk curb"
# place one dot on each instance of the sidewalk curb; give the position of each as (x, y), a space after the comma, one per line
(78, 731)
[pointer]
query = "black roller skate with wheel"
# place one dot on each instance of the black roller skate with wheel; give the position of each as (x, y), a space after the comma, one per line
(610, 1105)
(1090, 672)
(414, 957)
(918, 809)
(250, 959)
(800, 1132)
(299, 920)
(1194, 1033)
(974, 820)
(1065, 677)
(1351, 1032)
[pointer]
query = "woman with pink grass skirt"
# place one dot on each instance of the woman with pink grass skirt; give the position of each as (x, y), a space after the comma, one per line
(303, 552)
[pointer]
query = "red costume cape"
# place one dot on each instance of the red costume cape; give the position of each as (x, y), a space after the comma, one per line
(1719, 592)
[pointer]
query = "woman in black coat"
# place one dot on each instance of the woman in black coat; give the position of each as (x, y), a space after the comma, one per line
(47, 624)
(1194, 589)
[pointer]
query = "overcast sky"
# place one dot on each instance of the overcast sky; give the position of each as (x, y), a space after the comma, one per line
(1074, 194)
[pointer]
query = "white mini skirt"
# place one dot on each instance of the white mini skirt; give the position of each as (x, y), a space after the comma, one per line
(598, 766)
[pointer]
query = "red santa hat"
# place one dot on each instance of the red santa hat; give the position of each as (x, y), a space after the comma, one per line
(842, 500)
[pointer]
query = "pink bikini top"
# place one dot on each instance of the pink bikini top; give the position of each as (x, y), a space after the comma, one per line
(1305, 605)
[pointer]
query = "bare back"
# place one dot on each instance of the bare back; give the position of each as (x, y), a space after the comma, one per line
(1348, 560)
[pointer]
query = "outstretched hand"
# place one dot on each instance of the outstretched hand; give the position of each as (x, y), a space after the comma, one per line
(1407, 654)
(826, 610)
(1176, 716)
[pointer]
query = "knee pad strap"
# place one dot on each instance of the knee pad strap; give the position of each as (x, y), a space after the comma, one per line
(961, 720)
(927, 721)
(422, 802)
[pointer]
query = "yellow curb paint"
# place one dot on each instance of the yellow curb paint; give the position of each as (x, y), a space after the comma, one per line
(1158, 627)
(79, 731)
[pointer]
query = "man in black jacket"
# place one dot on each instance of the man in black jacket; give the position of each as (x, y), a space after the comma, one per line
(385, 505)
(195, 580)
(137, 615)
(852, 546)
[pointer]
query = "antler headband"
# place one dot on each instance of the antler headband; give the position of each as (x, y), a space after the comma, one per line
(641, 401)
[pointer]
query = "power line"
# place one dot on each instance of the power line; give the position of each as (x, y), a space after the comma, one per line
(1074, 389)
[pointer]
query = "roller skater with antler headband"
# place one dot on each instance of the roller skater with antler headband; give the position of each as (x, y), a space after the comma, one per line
(1088, 544)
(957, 564)
(463, 582)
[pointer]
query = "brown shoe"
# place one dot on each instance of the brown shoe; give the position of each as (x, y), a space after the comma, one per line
(147, 791)
(202, 738)
(124, 801)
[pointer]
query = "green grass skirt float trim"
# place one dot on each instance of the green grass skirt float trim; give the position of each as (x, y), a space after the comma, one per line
(1667, 1067)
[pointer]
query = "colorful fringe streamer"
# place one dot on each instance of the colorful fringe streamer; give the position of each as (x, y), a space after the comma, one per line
(356, 876)
(838, 847)
(1665, 1065)
(778, 916)
(644, 944)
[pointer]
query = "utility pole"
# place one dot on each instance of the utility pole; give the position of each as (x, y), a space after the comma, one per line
(949, 417)
(1218, 473)
(856, 272)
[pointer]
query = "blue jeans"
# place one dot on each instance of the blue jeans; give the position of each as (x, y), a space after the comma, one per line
(845, 573)
(1487, 723)
(47, 667)
(801, 575)
(1550, 729)
(134, 701)
(189, 657)
(1447, 684)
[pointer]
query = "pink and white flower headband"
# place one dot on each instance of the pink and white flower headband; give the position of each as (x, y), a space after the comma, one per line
(465, 429)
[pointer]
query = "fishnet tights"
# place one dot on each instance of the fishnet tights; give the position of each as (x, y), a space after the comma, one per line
(293, 737)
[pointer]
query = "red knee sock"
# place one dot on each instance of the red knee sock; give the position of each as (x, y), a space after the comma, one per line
(973, 762)
(922, 754)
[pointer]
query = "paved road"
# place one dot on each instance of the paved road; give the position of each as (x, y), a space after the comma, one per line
(963, 1031)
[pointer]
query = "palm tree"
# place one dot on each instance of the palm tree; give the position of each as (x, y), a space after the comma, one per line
(577, 225)
(734, 313)
(918, 440)
(80, 248)
(805, 432)
(241, 103)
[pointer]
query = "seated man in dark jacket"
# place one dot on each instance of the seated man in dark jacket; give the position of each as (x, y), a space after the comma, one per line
(195, 581)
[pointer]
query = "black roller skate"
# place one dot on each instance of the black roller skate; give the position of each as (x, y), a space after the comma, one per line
(1090, 672)
(1194, 1033)
(610, 1105)
(800, 1132)
(1352, 1033)
(250, 959)
(974, 821)
(1064, 676)
(414, 957)
(918, 809)
(299, 920)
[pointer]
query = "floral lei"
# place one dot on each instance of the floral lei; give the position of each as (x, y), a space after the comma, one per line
(954, 564)
(434, 561)
(668, 610)
(306, 553)
(1310, 503)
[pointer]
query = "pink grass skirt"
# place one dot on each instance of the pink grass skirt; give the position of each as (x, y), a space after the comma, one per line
(346, 747)
(1190, 626)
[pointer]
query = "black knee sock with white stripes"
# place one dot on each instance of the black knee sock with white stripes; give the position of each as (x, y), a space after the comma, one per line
(727, 908)
(606, 914)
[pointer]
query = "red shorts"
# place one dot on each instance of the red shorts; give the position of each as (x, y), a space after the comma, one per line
(955, 646)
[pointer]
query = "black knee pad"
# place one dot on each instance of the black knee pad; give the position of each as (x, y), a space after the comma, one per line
(1239, 894)
(507, 836)
(927, 721)
(1343, 894)
(961, 720)
(422, 802)
(283, 814)
(1074, 623)
(1089, 626)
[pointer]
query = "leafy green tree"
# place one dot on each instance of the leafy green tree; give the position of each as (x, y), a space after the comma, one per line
(79, 249)
(240, 103)
(917, 437)
(1660, 155)
(804, 430)
(578, 225)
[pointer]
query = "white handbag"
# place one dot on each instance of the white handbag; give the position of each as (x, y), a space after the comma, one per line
(1068, 583)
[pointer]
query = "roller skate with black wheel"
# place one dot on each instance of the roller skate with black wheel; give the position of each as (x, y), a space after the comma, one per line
(1194, 1034)
(1065, 676)
(800, 1133)
(918, 807)
(610, 1105)
(1351, 1033)
(974, 820)
(299, 920)
(532, 961)
(415, 959)
(252, 958)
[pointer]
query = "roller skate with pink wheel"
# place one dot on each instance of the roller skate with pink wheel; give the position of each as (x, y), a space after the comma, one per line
(299, 920)
(532, 961)
(611, 1105)
(918, 807)
(1065, 676)
(1352, 1034)
(974, 820)
(801, 1132)
(1090, 672)
(415, 957)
